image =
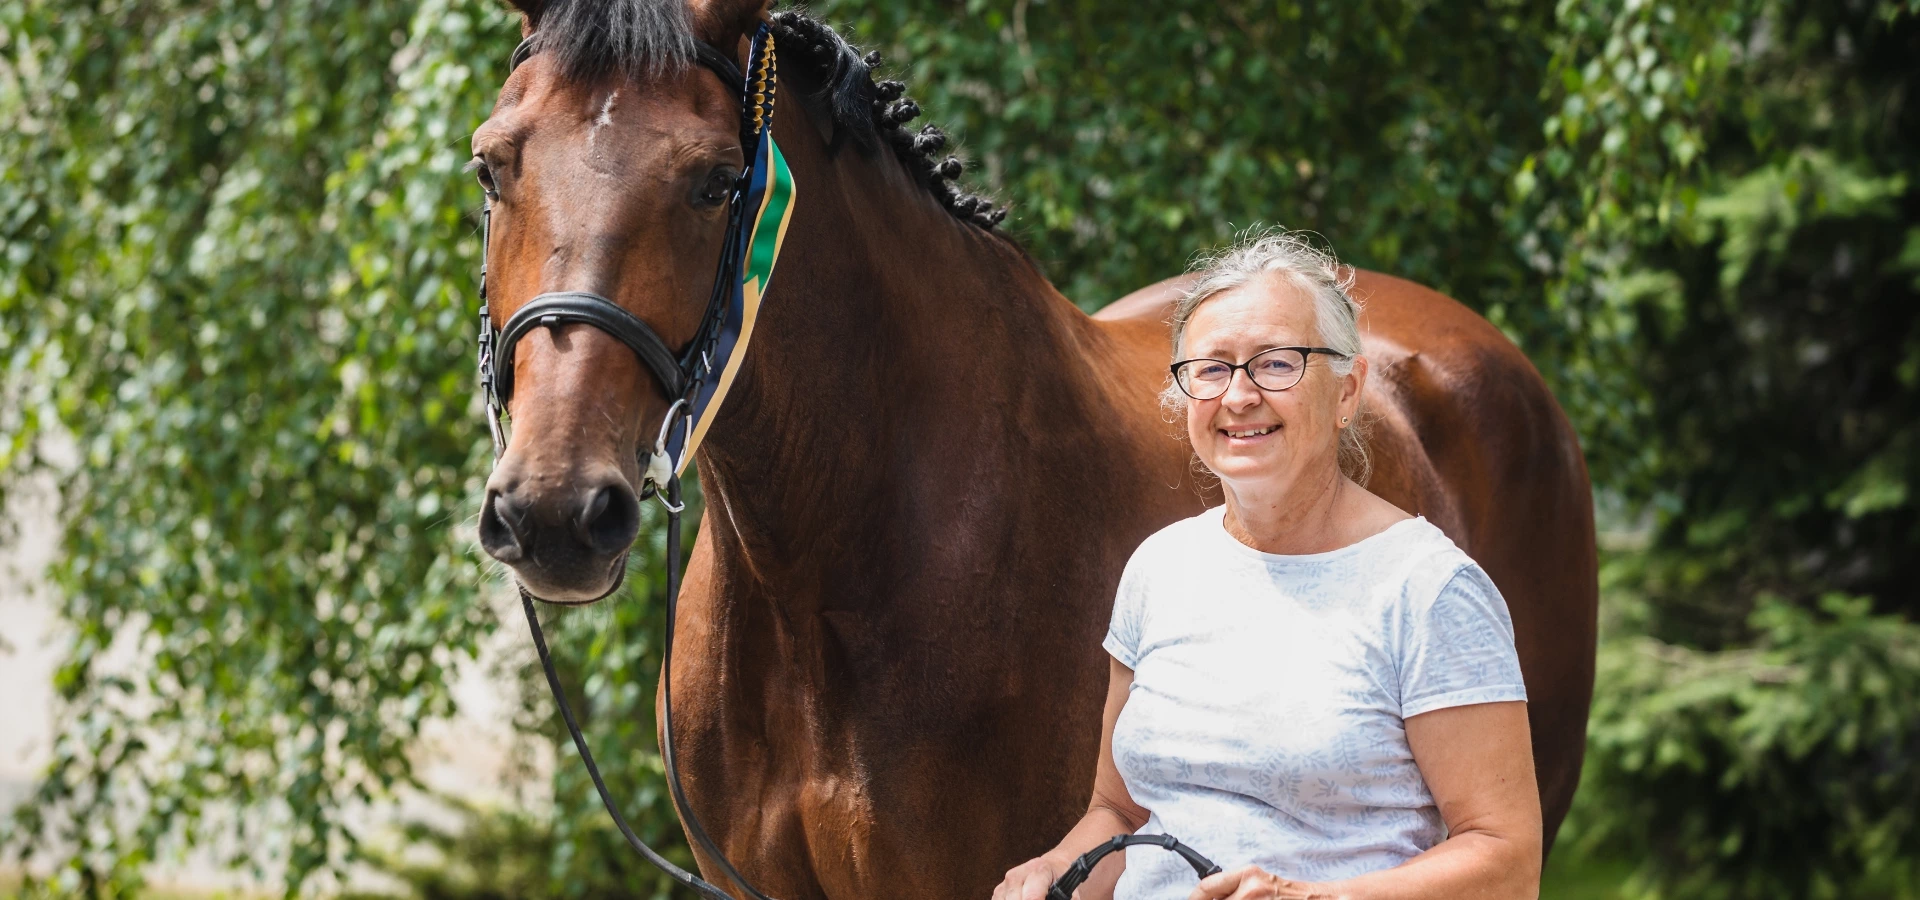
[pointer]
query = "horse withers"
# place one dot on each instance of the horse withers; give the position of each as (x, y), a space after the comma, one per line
(930, 468)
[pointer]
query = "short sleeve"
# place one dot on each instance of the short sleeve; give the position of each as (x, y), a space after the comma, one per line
(1458, 650)
(1129, 614)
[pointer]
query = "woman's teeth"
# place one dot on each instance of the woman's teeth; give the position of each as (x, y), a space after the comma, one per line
(1254, 432)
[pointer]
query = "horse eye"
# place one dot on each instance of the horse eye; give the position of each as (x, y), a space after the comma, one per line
(485, 176)
(715, 190)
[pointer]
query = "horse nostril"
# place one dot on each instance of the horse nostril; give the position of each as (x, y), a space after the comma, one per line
(500, 528)
(611, 519)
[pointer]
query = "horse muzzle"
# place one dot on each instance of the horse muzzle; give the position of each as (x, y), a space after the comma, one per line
(566, 538)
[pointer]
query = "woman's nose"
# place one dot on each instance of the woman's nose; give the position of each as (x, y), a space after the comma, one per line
(1241, 393)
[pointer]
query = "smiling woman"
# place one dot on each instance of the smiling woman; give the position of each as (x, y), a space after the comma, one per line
(1316, 687)
(1293, 259)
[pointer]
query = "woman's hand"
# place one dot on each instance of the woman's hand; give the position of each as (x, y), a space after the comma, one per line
(1028, 880)
(1254, 883)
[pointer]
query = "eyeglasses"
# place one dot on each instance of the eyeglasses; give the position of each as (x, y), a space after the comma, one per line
(1269, 370)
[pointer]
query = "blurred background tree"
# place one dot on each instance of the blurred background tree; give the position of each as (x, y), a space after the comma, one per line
(236, 261)
(1727, 201)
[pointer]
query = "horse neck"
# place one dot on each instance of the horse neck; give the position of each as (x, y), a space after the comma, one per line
(898, 352)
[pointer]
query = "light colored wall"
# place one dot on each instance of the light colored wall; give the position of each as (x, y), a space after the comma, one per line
(27, 661)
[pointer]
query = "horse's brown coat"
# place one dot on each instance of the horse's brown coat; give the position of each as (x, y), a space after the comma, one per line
(926, 481)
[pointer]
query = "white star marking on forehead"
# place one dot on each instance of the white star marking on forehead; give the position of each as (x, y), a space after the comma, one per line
(604, 119)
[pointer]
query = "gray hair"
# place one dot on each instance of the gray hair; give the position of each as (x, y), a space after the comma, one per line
(1292, 257)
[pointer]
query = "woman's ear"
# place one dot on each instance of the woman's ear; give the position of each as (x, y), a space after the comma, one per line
(725, 23)
(1351, 386)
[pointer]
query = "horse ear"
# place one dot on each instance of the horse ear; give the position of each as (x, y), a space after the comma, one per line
(723, 23)
(530, 11)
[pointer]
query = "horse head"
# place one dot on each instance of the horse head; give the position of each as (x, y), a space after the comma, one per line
(608, 161)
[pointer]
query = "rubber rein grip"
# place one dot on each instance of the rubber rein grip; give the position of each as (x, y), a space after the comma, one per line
(1077, 874)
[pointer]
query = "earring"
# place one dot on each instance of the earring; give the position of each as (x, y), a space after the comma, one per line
(1343, 421)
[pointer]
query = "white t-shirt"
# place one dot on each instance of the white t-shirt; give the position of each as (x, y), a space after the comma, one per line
(1266, 724)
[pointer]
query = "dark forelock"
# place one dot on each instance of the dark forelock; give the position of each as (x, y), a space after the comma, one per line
(590, 39)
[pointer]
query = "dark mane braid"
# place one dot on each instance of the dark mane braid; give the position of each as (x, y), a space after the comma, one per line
(873, 113)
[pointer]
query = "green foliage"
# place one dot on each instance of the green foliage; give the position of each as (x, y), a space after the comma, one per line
(1630, 92)
(1736, 277)
(487, 855)
(1783, 770)
(1571, 877)
(502, 854)
(199, 293)
(1127, 142)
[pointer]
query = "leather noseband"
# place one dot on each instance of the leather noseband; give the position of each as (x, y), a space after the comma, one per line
(570, 307)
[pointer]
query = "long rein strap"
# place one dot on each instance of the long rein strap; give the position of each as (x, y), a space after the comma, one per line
(692, 822)
(684, 877)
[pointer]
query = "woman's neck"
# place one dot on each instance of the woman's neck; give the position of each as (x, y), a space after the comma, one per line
(1302, 515)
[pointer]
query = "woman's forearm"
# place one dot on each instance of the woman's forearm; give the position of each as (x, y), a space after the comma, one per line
(1467, 864)
(1095, 828)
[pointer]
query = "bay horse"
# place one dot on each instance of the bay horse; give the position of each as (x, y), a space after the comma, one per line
(931, 466)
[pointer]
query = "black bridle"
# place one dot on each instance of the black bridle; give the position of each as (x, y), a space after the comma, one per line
(681, 375)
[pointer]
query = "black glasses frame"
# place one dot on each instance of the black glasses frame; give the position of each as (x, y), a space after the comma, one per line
(1306, 354)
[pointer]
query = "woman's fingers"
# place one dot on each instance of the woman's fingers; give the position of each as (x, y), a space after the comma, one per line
(1215, 887)
(1010, 884)
(1038, 880)
(1250, 883)
(1026, 881)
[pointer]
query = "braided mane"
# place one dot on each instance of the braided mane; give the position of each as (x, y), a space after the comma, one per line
(875, 113)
